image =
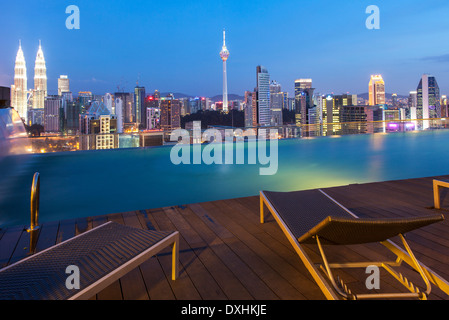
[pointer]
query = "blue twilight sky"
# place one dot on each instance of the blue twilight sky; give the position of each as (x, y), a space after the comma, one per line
(174, 45)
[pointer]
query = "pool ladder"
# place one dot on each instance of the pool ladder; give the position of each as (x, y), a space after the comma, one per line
(34, 207)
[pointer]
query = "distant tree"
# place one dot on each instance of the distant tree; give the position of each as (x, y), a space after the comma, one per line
(233, 118)
(34, 130)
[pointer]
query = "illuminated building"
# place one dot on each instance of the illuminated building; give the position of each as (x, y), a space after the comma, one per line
(170, 114)
(19, 89)
(127, 107)
(97, 127)
(5, 97)
(428, 98)
(263, 96)
(153, 118)
(224, 54)
(303, 100)
(276, 103)
(412, 104)
(139, 106)
(63, 84)
(40, 79)
(53, 113)
(376, 90)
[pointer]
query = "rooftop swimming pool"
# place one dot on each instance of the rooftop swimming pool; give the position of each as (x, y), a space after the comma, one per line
(91, 183)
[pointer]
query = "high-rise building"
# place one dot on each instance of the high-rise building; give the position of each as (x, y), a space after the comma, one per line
(303, 99)
(412, 105)
(127, 99)
(224, 54)
(40, 79)
(428, 98)
(153, 118)
(263, 96)
(139, 106)
(63, 84)
(376, 90)
(170, 114)
(19, 89)
(53, 113)
(276, 103)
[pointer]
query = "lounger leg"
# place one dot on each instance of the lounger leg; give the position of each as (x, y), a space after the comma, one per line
(175, 258)
(262, 219)
(436, 194)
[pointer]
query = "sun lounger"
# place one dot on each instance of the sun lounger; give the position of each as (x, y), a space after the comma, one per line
(313, 217)
(102, 256)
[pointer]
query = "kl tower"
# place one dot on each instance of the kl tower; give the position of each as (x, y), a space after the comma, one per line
(224, 54)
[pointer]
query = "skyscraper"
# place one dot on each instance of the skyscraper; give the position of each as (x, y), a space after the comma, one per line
(376, 90)
(263, 96)
(139, 105)
(40, 79)
(303, 99)
(19, 89)
(170, 114)
(63, 84)
(428, 98)
(276, 103)
(224, 54)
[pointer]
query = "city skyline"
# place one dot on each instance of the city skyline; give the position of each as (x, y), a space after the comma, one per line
(356, 53)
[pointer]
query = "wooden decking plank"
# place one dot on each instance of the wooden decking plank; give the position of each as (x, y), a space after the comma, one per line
(66, 230)
(229, 284)
(183, 288)
(268, 261)
(22, 248)
(255, 286)
(47, 236)
(132, 284)
(191, 257)
(8, 243)
(156, 283)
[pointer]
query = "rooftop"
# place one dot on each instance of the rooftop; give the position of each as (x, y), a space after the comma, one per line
(225, 253)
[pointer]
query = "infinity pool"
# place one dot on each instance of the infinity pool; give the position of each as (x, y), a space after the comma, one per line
(91, 183)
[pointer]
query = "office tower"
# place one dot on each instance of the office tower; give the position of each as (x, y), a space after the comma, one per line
(444, 106)
(98, 127)
(276, 103)
(303, 99)
(343, 100)
(127, 106)
(139, 106)
(263, 96)
(119, 114)
(19, 89)
(394, 100)
(248, 109)
(153, 118)
(40, 79)
(5, 97)
(376, 90)
(53, 113)
(63, 84)
(108, 101)
(72, 117)
(428, 98)
(224, 54)
(85, 98)
(170, 114)
(412, 105)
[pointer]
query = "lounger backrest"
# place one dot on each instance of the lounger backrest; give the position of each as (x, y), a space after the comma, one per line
(340, 231)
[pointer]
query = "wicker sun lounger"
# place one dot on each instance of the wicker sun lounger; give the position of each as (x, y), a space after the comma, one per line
(313, 217)
(102, 255)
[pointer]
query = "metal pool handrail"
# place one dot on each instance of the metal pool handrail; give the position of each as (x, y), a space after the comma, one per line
(35, 187)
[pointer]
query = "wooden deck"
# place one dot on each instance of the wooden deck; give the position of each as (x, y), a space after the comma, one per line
(226, 254)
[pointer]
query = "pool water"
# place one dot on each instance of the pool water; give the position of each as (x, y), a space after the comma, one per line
(91, 183)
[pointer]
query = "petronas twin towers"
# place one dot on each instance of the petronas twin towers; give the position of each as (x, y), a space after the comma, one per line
(20, 95)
